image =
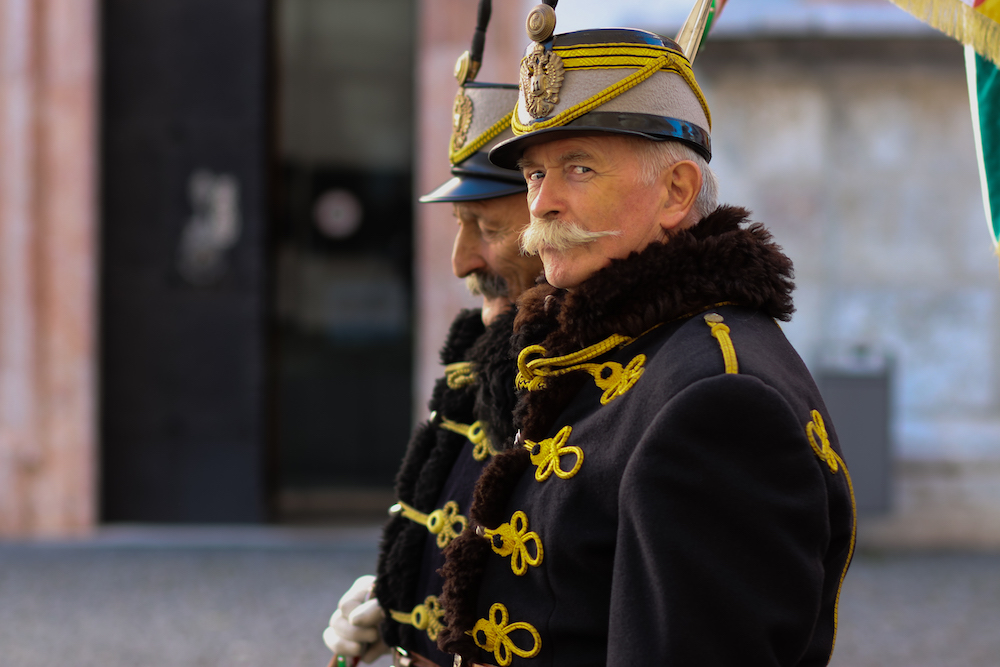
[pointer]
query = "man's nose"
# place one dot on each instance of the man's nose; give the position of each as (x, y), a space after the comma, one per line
(466, 254)
(547, 199)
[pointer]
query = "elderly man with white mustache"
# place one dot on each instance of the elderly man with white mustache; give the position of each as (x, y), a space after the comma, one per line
(676, 494)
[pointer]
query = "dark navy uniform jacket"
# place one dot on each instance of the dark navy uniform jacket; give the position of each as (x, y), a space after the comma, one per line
(470, 410)
(677, 494)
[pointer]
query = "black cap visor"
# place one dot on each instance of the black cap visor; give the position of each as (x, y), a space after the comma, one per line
(476, 178)
(655, 128)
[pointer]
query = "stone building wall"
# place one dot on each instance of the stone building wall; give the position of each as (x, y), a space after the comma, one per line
(859, 155)
(845, 127)
(444, 32)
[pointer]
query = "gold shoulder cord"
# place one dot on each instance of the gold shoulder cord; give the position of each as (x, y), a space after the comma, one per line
(721, 333)
(819, 440)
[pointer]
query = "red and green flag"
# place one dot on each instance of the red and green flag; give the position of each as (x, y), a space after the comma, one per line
(975, 23)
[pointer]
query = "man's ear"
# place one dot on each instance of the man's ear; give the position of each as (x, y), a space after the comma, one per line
(681, 186)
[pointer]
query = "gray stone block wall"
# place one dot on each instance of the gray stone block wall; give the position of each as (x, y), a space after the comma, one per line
(858, 154)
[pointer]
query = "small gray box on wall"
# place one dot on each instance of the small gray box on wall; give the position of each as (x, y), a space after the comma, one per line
(856, 387)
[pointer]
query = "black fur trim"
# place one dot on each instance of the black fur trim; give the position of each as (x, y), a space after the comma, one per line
(496, 367)
(432, 452)
(429, 457)
(717, 260)
(466, 328)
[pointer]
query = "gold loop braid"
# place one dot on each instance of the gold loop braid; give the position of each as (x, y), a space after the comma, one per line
(547, 455)
(513, 538)
(446, 522)
(483, 448)
(493, 634)
(426, 617)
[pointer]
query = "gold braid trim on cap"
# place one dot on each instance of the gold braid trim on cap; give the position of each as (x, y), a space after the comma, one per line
(483, 139)
(648, 59)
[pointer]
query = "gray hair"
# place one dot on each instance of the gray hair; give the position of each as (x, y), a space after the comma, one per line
(656, 156)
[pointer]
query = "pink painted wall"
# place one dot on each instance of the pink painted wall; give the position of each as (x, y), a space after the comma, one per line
(445, 31)
(48, 259)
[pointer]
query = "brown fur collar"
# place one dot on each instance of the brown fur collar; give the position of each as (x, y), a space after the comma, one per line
(717, 260)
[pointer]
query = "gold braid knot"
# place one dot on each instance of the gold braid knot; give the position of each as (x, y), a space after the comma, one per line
(610, 376)
(446, 522)
(426, 617)
(511, 540)
(493, 634)
(547, 455)
(459, 374)
(483, 448)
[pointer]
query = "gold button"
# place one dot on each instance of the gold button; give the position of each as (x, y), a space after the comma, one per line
(541, 23)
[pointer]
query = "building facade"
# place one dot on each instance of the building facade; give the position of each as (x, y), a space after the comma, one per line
(219, 301)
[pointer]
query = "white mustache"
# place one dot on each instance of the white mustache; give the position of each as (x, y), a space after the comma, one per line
(489, 285)
(558, 235)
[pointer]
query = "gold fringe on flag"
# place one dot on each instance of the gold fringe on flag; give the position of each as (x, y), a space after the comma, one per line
(957, 19)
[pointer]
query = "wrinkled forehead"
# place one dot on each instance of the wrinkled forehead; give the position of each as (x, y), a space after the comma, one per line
(586, 148)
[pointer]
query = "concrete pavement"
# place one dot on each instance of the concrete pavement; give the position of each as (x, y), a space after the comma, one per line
(259, 597)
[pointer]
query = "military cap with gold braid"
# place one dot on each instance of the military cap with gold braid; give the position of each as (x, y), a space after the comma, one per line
(481, 117)
(613, 80)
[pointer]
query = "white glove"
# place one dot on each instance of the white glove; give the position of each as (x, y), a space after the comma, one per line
(353, 630)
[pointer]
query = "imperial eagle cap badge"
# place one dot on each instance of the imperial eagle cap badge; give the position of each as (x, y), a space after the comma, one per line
(461, 120)
(541, 78)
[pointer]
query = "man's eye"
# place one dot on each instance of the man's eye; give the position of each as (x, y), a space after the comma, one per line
(536, 175)
(580, 169)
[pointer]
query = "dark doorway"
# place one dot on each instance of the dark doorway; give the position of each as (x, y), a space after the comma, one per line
(343, 252)
(184, 281)
(256, 281)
